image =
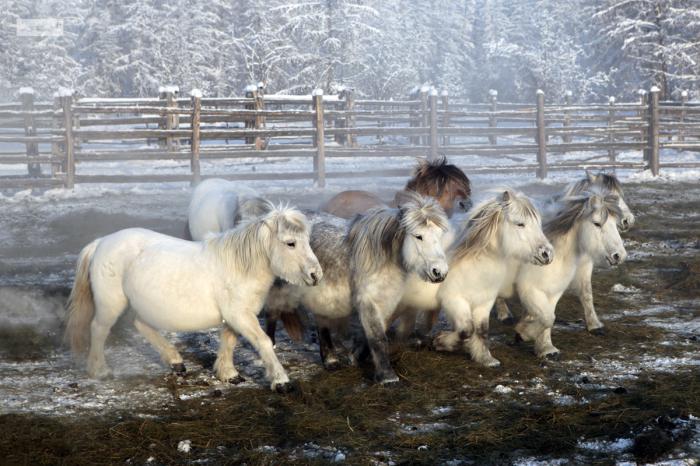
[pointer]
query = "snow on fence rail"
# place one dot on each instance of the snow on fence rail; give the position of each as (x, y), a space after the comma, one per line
(319, 127)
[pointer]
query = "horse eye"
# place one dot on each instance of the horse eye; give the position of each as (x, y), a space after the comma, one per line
(597, 224)
(521, 225)
(419, 237)
(291, 244)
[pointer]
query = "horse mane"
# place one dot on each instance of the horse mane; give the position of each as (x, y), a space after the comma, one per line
(605, 181)
(253, 207)
(484, 221)
(432, 177)
(576, 208)
(376, 237)
(244, 247)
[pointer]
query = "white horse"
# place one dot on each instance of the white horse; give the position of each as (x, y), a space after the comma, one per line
(216, 206)
(179, 286)
(501, 235)
(365, 268)
(584, 231)
(581, 283)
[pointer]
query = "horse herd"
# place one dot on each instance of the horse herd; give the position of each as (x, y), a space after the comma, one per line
(429, 252)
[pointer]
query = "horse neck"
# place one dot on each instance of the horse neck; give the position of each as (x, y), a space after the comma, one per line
(566, 247)
(237, 254)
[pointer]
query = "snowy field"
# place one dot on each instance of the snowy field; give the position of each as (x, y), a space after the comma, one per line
(630, 396)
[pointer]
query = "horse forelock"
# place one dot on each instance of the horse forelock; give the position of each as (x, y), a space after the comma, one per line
(422, 210)
(434, 177)
(611, 183)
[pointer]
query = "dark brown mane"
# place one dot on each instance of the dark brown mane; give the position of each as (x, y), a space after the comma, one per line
(432, 178)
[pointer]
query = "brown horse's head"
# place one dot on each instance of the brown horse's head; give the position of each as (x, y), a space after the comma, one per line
(443, 181)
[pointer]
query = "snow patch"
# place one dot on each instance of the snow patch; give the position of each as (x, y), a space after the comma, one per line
(502, 390)
(620, 288)
(184, 446)
(605, 446)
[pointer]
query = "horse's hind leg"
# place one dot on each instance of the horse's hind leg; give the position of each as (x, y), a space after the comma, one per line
(168, 352)
(503, 313)
(107, 311)
(223, 366)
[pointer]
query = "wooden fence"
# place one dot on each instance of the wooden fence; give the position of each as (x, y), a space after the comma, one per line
(54, 138)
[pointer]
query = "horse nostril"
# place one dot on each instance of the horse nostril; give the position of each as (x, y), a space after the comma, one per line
(314, 277)
(616, 257)
(436, 273)
(545, 254)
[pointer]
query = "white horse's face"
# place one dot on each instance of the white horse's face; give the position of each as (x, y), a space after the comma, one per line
(292, 259)
(423, 253)
(522, 237)
(599, 237)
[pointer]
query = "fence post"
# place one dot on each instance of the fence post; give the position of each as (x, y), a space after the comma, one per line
(566, 138)
(350, 119)
(251, 92)
(172, 121)
(260, 142)
(424, 115)
(414, 116)
(433, 125)
(196, 96)
(320, 158)
(541, 137)
(611, 123)
(684, 101)
(26, 95)
(643, 131)
(445, 117)
(653, 157)
(493, 96)
(66, 96)
(57, 161)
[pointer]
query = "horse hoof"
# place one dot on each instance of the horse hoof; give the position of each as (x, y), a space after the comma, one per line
(282, 388)
(510, 321)
(236, 380)
(332, 365)
(178, 369)
(553, 356)
(493, 362)
(598, 332)
(388, 380)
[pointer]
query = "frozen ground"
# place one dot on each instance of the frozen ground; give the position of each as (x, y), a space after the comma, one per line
(631, 395)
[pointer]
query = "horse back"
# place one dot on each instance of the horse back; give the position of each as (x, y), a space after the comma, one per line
(347, 204)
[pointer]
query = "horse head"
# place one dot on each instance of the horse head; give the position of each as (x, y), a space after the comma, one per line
(443, 181)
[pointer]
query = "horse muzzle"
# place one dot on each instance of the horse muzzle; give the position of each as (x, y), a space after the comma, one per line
(545, 255)
(313, 277)
(616, 258)
(436, 275)
(626, 223)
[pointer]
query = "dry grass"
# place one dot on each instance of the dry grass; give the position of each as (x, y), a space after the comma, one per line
(345, 410)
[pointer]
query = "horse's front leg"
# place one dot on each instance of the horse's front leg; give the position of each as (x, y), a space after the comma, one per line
(459, 313)
(584, 290)
(537, 323)
(223, 366)
(373, 324)
(478, 342)
(245, 323)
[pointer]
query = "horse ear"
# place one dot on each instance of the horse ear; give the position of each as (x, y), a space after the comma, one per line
(590, 176)
(506, 196)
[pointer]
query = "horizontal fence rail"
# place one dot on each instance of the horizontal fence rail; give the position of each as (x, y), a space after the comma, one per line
(52, 139)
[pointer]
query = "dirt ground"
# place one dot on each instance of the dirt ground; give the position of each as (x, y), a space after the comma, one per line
(632, 395)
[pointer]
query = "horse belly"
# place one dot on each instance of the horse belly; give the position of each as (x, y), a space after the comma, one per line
(330, 300)
(172, 292)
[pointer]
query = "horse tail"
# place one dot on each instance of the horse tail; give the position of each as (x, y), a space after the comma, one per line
(293, 325)
(81, 306)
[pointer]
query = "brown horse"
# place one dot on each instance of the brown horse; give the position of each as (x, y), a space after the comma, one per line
(437, 178)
